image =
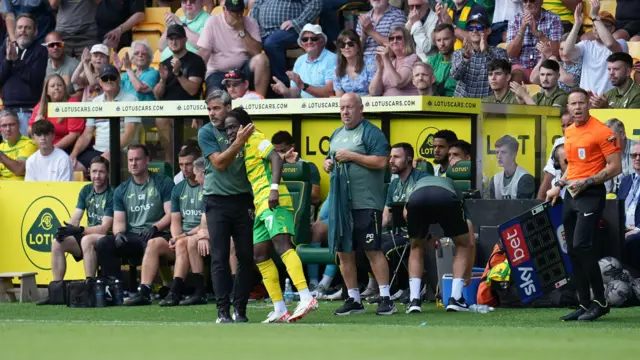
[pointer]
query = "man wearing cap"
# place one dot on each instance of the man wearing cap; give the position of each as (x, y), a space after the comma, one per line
(61, 63)
(232, 41)
(313, 72)
(237, 86)
(193, 20)
(457, 14)
(23, 65)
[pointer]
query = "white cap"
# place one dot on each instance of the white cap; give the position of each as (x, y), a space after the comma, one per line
(313, 28)
(100, 48)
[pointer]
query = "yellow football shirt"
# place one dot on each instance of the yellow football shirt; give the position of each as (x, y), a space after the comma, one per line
(557, 7)
(21, 150)
(256, 153)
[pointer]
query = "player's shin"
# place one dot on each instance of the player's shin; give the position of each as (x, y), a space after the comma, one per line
(465, 249)
(271, 280)
(416, 267)
(294, 267)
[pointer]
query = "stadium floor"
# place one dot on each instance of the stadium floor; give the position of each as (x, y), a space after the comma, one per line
(30, 332)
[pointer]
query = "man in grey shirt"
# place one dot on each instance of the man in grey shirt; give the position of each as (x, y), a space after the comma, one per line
(76, 21)
(60, 63)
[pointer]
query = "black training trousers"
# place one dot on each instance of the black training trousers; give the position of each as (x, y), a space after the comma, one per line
(110, 255)
(581, 216)
(231, 217)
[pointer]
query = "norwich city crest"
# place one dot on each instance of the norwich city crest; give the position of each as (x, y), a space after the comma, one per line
(40, 222)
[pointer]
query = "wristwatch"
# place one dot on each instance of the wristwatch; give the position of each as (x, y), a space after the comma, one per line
(241, 34)
(559, 183)
(305, 86)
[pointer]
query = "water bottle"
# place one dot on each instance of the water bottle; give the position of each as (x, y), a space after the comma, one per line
(100, 301)
(118, 293)
(481, 309)
(288, 292)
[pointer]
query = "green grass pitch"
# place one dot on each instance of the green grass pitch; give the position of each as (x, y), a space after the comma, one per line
(31, 332)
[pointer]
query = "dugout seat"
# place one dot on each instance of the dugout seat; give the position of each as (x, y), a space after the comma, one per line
(425, 166)
(162, 168)
(460, 173)
(297, 178)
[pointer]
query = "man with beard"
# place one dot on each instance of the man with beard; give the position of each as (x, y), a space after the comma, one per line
(441, 141)
(551, 94)
(60, 63)
(423, 78)
(626, 93)
(23, 65)
(444, 38)
(499, 78)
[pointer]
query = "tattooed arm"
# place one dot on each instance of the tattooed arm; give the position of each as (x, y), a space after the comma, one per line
(611, 170)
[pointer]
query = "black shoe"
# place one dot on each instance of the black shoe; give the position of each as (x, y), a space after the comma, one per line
(457, 305)
(240, 316)
(573, 316)
(172, 299)
(415, 306)
(404, 299)
(193, 300)
(45, 301)
(138, 299)
(350, 307)
(596, 311)
(386, 307)
(376, 299)
(163, 292)
(223, 317)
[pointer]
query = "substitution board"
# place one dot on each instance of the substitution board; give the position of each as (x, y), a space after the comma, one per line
(537, 251)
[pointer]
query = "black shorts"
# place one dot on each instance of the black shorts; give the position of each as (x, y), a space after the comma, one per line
(87, 155)
(435, 205)
(630, 26)
(78, 238)
(367, 225)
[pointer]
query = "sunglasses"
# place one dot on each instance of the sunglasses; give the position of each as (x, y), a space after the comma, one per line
(395, 38)
(471, 28)
(415, 7)
(347, 44)
(309, 38)
(108, 78)
(232, 75)
(55, 45)
(635, 155)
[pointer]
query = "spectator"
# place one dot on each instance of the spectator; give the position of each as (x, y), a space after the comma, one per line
(281, 22)
(394, 62)
(76, 23)
(423, 78)
(469, 65)
(66, 130)
(329, 19)
(564, 9)
(313, 72)
(60, 63)
(194, 19)
(232, 41)
(534, 25)
(626, 147)
(630, 194)
(514, 182)
(15, 149)
(458, 13)
(375, 26)
(551, 94)
(569, 70)
(594, 53)
(499, 80)
(144, 78)
(505, 11)
(551, 174)
(49, 163)
(86, 74)
(444, 38)
(39, 10)
(82, 154)
(625, 93)
(237, 86)
(23, 64)
(627, 20)
(353, 73)
(115, 19)
(421, 23)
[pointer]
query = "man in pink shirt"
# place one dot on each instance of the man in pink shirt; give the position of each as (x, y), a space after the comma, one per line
(230, 41)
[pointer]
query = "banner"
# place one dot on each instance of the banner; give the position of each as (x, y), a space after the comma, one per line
(29, 218)
(269, 126)
(628, 117)
(129, 108)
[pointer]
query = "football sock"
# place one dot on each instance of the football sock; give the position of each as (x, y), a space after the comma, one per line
(294, 267)
(313, 270)
(414, 288)
(145, 290)
(456, 288)
(199, 282)
(271, 280)
(305, 295)
(354, 294)
(384, 290)
(280, 307)
(329, 273)
(176, 287)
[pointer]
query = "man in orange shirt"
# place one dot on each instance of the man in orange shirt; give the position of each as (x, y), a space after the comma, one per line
(593, 155)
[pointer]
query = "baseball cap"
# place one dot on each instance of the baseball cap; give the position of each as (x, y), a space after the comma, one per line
(109, 69)
(606, 16)
(234, 6)
(312, 28)
(100, 48)
(235, 74)
(481, 16)
(176, 30)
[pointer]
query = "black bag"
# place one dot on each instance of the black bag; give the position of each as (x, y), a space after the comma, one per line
(58, 292)
(81, 294)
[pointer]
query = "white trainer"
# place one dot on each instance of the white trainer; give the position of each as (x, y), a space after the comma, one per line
(303, 309)
(275, 317)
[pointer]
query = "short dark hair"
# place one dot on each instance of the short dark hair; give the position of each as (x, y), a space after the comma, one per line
(500, 64)
(42, 127)
(144, 148)
(282, 137)
(190, 150)
(462, 145)
(564, 110)
(28, 16)
(448, 135)
(551, 65)
(241, 115)
(509, 141)
(406, 147)
(621, 56)
(442, 26)
(191, 143)
(100, 160)
(579, 90)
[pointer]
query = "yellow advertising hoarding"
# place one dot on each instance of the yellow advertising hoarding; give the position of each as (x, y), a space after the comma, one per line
(271, 126)
(630, 118)
(29, 218)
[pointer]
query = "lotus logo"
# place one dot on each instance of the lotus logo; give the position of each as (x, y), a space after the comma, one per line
(40, 222)
(57, 109)
(179, 107)
(424, 143)
(366, 104)
(117, 108)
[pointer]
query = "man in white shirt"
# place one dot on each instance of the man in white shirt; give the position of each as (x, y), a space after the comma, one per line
(48, 163)
(551, 174)
(237, 85)
(514, 182)
(421, 22)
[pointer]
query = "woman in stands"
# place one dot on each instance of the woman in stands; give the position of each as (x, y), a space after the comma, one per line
(67, 130)
(140, 81)
(394, 63)
(86, 74)
(353, 73)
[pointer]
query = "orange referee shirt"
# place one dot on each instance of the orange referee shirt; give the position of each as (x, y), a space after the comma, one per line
(587, 146)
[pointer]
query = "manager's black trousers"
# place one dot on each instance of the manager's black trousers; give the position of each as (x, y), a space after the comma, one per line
(227, 217)
(110, 256)
(581, 216)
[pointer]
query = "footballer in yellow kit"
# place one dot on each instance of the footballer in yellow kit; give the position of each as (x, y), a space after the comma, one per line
(274, 223)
